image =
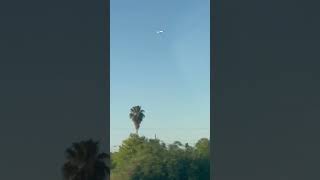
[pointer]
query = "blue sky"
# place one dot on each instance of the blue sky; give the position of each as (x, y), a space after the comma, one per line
(167, 74)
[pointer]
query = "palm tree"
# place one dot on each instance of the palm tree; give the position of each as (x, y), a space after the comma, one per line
(84, 162)
(137, 115)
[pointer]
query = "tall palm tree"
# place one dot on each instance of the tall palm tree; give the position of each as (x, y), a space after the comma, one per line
(137, 115)
(84, 162)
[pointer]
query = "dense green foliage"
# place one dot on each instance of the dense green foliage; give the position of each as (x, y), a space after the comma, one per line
(139, 158)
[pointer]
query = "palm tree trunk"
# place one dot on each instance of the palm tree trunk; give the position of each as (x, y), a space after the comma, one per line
(137, 131)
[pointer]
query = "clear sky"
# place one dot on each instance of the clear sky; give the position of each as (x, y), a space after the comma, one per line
(167, 74)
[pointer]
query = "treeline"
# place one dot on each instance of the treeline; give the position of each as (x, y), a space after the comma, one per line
(140, 158)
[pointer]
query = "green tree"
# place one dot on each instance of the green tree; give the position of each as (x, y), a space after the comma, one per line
(136, 115)
(123, 161)
(139, 158)
(84, 162)
(203, 147)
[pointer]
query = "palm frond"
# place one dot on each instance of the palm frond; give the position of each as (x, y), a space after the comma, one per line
(84, 160)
